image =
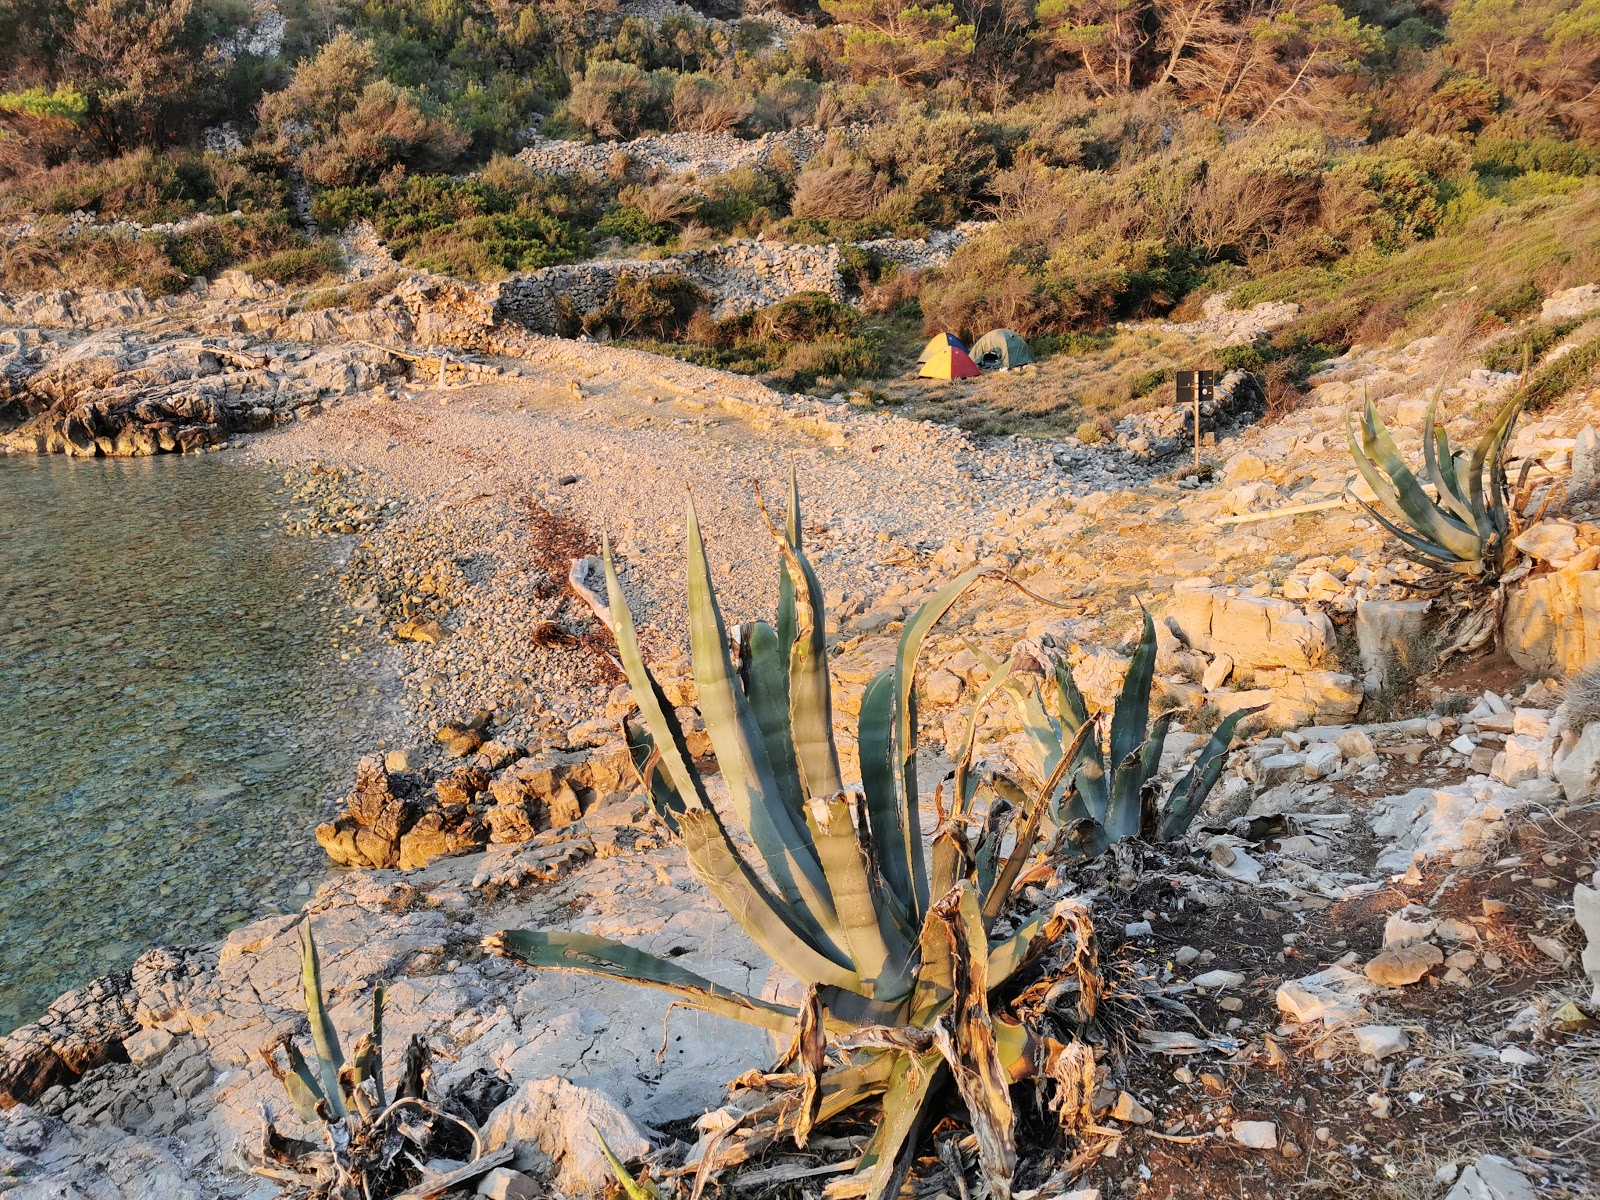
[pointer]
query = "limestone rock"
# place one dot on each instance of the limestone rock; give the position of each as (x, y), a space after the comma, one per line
(1579, 771)
(1333, 996)
(1491, 1178)
(1255, 631)
(1586, 903)
(551, 1123)
(1551, 624)
(1387, 635)
(1130, 1112)
(1554, 542)
(1425, 822)
(1381, 1041)
(378, 813)
(502, 1183)
(1409, 925)
(1256, 1135)
(1401, 966)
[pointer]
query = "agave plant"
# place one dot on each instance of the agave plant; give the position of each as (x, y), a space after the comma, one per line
(1107, 792)
(1465, 524)
(344, 1096)
(892, 940)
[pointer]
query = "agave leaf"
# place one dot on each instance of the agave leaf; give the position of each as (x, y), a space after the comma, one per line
(905, 724)
(647, 765)
(330, 1058)
(950, 859)
(1404, 496)
(633, 1188)
(1487, 452)
(1190, 792)
(778, 832)
(767, 686)
(810, 694)
(875, 736)
(1131, 715)
(305, 1093)
(1439, 466)
(666, 733)
(1074, 709)
(889, 1153)
(589, 955)
(964, 1034)
(809, 1053)
(1421, 545)
(788, 624)
(965, 788)
(765, 918)
(880, 954)
(1086, 797)
(369, 1061)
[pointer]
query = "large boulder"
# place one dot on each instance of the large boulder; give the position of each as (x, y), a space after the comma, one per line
(1257, 632)
(552, 1126)
(1388, 633)
(1552, 621)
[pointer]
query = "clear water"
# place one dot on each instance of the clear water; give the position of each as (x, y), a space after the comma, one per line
(173, 712)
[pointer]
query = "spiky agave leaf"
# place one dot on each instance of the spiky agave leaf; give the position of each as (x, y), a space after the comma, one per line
(636, 1189)
(665, 731)
(589, 955)
(879, 951)
(766, 676)
(810, 690)
(324, 1038)
(1191, 790)
(1402, 494)
(779, 834)
(719, 865)
(905, 725)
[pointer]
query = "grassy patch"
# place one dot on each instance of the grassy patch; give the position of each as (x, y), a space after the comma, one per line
(1575, 368)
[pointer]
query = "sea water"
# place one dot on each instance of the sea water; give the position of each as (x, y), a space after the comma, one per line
(173, 712)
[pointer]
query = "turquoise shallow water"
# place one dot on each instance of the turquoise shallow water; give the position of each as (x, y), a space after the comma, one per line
(172, 712)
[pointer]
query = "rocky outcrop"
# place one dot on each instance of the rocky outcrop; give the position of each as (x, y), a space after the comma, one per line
(85, 1028)
(499, 795)
(1552, 618)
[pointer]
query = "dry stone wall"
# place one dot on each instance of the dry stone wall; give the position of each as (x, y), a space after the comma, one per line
(739, 276)
(674, 153)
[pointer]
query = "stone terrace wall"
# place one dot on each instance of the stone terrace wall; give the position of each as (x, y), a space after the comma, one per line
(739, 276)
(702, 153)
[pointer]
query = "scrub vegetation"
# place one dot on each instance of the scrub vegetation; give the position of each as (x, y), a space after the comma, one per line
(1387, 165)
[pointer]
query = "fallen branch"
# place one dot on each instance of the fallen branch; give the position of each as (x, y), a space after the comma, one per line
(1290, 510)
(441, 1184)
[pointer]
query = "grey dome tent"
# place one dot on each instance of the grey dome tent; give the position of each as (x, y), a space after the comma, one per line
(1000, 348)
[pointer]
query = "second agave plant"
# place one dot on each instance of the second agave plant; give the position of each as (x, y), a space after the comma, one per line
(1465, 525)
(905, 988)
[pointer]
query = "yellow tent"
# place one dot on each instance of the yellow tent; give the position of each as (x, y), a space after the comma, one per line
(944, 357)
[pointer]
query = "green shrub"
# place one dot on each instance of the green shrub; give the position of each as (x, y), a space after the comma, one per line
(655, 305)
(631, 227)
(1510, 354)
(1576, 368)
(294, 268)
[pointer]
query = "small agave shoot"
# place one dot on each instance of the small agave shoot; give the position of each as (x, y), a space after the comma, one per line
(1465, 524)
(906, 989)
(1108, 792)
(373, 1140)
